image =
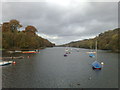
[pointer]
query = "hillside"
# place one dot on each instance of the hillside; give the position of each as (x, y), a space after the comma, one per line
(108, 40)
(13, 38)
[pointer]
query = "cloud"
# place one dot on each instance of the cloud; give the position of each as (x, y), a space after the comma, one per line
(63, 22)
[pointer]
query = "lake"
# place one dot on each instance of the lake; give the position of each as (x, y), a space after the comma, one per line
(50, 69)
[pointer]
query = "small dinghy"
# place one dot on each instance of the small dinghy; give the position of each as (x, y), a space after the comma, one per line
(68, 52)
(91, 55)
(96, 65)
(65, 55)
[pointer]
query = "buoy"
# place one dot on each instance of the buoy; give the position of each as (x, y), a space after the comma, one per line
(28, 56)
(102, 63)
(90, 78)
(14, 62)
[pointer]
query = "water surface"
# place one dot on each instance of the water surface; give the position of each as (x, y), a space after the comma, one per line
(50, 69)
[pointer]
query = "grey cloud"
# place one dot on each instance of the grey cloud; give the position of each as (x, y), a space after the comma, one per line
(71, 23)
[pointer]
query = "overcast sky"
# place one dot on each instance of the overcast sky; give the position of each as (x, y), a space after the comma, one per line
(64, 21)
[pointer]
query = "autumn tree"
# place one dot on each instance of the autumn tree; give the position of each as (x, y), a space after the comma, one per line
(25, 39)
(6, 27)
(31, 29)
(14, 25)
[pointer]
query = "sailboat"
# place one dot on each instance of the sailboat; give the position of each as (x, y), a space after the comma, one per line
(67, 51)
(91, 53)
(96, 64)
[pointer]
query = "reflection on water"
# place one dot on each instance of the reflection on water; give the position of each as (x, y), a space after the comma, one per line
(50, 69)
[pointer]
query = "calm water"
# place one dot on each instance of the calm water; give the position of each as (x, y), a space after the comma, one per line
(50, 69)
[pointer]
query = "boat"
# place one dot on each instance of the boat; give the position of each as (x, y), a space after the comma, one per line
(30, 52)
(77, 50)
(91, 55)
(19, 57)
(68, 52)
(10, 52)
(3, 63)
(18, 51)
(96, 64)
(91, 52)
(65, 55)
(67, 49)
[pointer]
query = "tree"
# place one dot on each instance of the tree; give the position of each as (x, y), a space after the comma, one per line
(109, 40)
(14, 39)
(14, 25)
(6, 27)
(31, 29)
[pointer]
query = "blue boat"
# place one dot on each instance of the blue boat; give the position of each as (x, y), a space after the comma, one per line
(96, 65)
(91, 55)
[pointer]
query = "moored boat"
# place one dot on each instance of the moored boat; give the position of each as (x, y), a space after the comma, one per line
(96, 65)
(91, 52)
(91, 55)
(18, 51)
(30, 52)
(3, 63)
(65, 55)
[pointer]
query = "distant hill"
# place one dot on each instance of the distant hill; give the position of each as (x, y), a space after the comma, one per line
(108, 40)
(13, 38)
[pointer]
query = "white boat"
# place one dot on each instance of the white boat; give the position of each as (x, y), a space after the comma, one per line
(3, 63)
(91, 52)
(11, 51)
(18, 51)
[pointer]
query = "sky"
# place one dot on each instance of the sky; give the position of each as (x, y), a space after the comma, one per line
(63, 21)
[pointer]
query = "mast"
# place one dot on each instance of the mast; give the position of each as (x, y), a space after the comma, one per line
(96, 49)
(90, 46)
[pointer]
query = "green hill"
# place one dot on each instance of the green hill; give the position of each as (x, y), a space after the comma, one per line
(108, 40)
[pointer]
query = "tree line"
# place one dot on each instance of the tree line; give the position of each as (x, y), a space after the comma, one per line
(109, 40)
(13, 38)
